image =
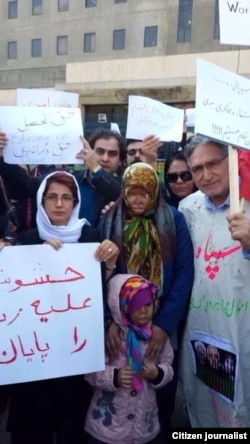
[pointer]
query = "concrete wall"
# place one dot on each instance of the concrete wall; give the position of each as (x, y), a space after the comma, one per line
(165, 72)
(163, 78)
(107, 16)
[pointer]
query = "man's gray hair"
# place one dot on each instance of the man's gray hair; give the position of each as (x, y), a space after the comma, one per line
(197, 140)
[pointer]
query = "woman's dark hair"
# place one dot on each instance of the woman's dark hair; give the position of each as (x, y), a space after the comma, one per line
(129, 141)
(63, 179)
(178, 155)
(171, 198)
(103, 133)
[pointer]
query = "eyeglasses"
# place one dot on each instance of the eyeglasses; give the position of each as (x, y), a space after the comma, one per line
(102, 151)
(54, 198)
(185, 176)
(134, 151)
(211, 165)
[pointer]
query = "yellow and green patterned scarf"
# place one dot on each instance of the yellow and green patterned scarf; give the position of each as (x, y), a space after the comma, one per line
(142, 250)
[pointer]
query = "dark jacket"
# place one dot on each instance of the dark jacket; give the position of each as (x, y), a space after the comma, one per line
(3, 215)
(31, 237)
(8, 222)
(107, 188)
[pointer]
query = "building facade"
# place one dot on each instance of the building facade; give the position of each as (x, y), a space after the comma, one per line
(108, 49)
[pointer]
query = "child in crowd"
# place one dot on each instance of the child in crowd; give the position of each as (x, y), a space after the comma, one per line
(123, 407)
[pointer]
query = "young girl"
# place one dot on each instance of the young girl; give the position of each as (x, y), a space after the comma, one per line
(123, 407)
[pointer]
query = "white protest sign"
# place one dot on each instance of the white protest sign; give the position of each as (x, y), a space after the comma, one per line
(148, 116)
(46, 98)
(190, 117)
(234, 22)
(222, 105)
(41, 135)
(115, 127)
(51, 315)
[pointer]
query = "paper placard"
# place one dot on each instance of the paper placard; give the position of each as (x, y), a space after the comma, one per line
(46, 98)
(234, 22)
(147, 116)
(222, 105)
(48, 310)
(115, 127)
(190, 117)
(41, 135)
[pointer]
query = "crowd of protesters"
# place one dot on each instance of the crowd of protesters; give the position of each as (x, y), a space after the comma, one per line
(173, 259)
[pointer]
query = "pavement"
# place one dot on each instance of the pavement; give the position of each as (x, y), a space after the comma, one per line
(179, 418)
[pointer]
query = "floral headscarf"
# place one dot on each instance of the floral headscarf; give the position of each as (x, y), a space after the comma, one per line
(141, 175)
(142, 251)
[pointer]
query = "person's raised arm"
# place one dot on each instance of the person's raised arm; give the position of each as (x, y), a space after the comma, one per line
(108, 185)
(150, 146)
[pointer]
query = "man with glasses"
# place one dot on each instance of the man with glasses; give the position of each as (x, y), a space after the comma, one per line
(219, 312)
(104, 157)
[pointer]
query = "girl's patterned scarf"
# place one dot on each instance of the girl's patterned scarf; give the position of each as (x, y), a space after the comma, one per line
(134, 333)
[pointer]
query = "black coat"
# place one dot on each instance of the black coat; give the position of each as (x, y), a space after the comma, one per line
(8, 222)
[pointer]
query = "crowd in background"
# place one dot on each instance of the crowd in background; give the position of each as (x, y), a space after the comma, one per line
(164, 247)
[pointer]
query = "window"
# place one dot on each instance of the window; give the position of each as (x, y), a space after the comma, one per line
(37, 7)
(36, 47)
(12, 10)
(216, 33)
(90, 3)
(63, 5)
(119, 39)
(184, 20)
(150, 36)
(89, 42)
(12, 50)
(62, 45)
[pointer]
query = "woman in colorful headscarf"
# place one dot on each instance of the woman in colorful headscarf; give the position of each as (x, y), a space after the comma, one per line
(141, 244)
(123, 407)
(154, 242)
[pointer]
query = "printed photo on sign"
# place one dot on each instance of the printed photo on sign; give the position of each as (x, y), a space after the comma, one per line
(215, 367)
